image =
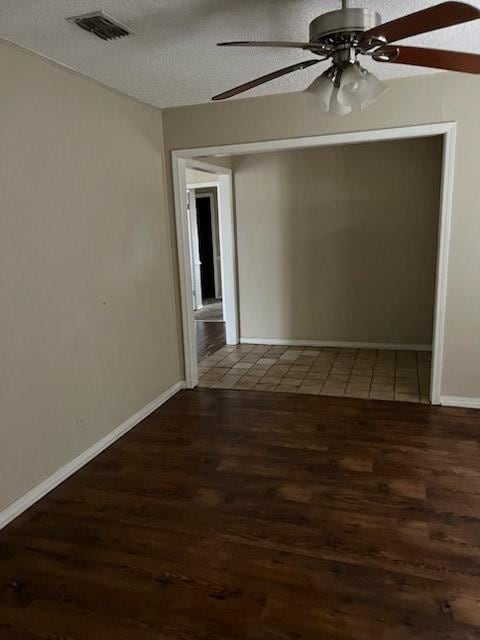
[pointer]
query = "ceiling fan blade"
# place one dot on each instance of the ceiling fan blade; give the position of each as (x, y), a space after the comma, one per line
(435, 58)
(309, 46)
(439, 16)
(270, 76)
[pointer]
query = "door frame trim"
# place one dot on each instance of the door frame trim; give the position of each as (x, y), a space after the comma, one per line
(222, 180)
(181, 158)
(192, 228)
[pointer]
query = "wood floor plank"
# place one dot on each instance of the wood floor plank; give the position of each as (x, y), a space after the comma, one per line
(210, 338)
(231, 515)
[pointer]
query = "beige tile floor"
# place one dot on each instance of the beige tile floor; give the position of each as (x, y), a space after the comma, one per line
(354, 373)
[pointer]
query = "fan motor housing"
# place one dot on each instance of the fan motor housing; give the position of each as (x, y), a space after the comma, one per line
(343, 21)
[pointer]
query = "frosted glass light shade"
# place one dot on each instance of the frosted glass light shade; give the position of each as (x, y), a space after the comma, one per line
(321, 90)
(343, 90)
(376, 89)
(338, 107)
(354, 88)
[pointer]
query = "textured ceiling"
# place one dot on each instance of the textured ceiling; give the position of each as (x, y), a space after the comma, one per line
(172, 59)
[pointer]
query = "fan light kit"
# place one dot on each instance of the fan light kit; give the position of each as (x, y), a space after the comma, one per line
(348, 33)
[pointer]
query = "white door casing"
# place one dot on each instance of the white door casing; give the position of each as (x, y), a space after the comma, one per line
(181, 159)
(194, 250)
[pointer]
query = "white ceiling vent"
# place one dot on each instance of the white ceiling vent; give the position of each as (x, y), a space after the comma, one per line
(101, 25)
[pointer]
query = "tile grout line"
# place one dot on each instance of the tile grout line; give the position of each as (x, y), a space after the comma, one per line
(308, 370)
(351, 371)
(395, 376)
(328, 374)
(418, 379)
(373, 373)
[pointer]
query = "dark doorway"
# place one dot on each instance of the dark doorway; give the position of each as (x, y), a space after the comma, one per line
(205, 246)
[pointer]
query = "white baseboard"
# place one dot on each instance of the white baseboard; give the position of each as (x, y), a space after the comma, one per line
(460, 401)
(330, 343)
(26, 501)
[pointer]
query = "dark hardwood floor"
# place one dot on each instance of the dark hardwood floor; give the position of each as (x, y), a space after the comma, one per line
(258, 516)
(210, 337)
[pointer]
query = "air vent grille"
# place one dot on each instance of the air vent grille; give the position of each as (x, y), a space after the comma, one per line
(100, 25)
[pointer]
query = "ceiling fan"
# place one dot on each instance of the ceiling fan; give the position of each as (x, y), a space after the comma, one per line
(348, 33)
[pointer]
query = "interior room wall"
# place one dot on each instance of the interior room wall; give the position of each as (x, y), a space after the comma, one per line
(442, 97)
(194, 176)
(90, 332)
(220, 161)
(331, 250)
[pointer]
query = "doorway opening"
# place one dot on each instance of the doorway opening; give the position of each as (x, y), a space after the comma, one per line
(205, 253)
(211, 256)
(292, 353)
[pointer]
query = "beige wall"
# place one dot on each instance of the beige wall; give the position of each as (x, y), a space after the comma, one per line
(220, 161)
(419, 100)
(88, 323)
(330, 250)
(199, 175)
(193, 176)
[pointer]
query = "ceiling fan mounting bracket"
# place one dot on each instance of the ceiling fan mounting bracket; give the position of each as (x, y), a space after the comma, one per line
(343, 25)
(343, 55)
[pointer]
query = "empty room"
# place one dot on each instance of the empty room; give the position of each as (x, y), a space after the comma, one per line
(336, 271)
(239, 276)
